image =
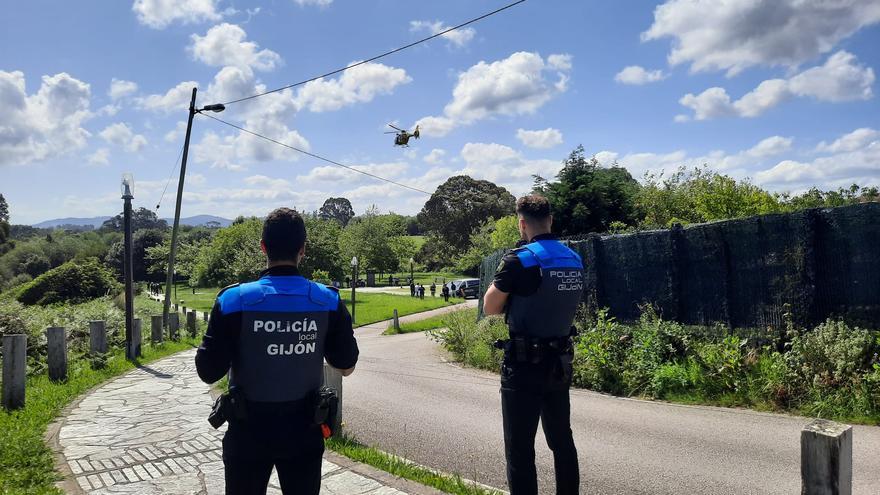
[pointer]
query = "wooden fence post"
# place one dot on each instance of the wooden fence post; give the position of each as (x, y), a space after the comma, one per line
(396, 322)
(333, 379)
(97, 336)
(156, 329)
(191, 323)
(826, 458)
(136, 338)
(14, 370)
(174, 326)
(56, 357)
(205, 316)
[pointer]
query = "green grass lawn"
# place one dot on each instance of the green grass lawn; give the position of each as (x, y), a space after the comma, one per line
(431, 323)
(370, 307)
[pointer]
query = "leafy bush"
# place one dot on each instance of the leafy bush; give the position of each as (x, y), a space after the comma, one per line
(832, 355)
(472, 342)
(600, 352)
(654, 342)
(74, 281)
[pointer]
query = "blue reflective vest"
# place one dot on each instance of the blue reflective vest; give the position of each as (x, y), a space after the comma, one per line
(280, 351)
(550, 311)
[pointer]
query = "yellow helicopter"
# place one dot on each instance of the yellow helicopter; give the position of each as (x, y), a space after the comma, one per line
(402, 137)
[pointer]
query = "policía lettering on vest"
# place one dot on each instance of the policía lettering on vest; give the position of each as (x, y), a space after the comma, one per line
(567, 279)
(305, 325)
(288, 349)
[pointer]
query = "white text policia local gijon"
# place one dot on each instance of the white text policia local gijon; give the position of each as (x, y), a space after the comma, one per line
(308, 330)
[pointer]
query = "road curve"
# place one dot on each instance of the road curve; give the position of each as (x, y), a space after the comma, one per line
(405, 398)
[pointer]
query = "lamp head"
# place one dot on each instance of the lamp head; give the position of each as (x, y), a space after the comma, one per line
(216, 108)
(127, 186)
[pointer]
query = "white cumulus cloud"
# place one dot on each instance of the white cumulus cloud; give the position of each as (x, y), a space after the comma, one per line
(120, 134)
(435, 156)
(840, 79)
(638, 75)
(45, 124)
(175, 99)
(317, 3)
(457, 38)
(542, 139)
(517, 85)
(158, 14)
(120, 88)
(101, 156)
(225, 45)
(732, 35)
(357, 85)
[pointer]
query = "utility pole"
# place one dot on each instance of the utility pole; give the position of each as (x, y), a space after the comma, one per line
(169, 274)
(127, 196)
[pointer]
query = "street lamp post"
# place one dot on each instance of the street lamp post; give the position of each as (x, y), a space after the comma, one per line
(354, 277)
(127, 196)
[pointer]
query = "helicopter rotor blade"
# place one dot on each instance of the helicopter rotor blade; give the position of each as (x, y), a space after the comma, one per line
(393, 127)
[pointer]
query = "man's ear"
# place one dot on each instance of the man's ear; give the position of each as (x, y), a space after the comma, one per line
(263, 247)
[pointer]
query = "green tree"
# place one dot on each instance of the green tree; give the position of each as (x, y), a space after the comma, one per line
(141, 218)
(234, 255)
(4, 210)
(141, 242)
(338, 209)
(701, 195)
(588, 198)
(322, 249)
(373, 238)
(460, 205)
(506, 233)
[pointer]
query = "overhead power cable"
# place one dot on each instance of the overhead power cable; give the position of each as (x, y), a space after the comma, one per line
(377, 57)
(319, 157)
(170, 175)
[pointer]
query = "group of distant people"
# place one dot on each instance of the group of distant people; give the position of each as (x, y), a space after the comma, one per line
(419, 290)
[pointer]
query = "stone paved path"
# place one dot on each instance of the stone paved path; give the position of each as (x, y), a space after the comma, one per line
(146, 433)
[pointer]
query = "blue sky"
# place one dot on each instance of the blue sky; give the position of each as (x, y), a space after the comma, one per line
(782, 91)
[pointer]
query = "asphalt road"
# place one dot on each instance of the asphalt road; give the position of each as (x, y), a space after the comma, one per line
(405, 398)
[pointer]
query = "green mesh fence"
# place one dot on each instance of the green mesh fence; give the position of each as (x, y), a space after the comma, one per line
(748, 272)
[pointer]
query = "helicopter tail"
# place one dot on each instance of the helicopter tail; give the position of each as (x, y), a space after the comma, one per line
(416, 132)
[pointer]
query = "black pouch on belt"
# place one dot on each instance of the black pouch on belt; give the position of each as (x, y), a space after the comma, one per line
(326, 408)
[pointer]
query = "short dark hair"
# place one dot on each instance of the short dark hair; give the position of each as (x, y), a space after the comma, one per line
(284, 234)
(533, 207)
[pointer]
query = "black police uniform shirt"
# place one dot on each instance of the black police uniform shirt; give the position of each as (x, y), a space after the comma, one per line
(298, 364)
(512, 278)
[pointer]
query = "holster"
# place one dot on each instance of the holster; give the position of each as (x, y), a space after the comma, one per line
(326, 410)
(230, 405)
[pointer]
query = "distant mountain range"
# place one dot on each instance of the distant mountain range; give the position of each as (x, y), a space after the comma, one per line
(97, 221)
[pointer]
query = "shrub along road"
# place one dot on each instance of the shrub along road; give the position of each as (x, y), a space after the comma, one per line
(406, 399)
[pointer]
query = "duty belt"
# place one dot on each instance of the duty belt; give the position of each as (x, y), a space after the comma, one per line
(523, 349)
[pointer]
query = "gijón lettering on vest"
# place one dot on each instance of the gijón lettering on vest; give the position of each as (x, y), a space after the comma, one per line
(306, 329)
(567, 280)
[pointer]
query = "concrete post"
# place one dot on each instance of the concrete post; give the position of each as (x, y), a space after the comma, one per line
(191, 323)
(56, 338)
(183, 309)
(156, 329)
(396, 322)
(97, 336)
(174, 326)
(205, 316)
(826, 458)
(333, 379)
(136, 339)
(14, 371)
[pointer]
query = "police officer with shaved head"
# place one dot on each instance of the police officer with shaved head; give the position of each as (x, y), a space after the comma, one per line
(272, 336)
(538, 287)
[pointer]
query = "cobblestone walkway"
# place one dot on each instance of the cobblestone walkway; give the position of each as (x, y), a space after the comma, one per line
(146, 433)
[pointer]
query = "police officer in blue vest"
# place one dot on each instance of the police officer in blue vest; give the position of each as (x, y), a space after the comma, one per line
(272, 337)
(538, 286)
